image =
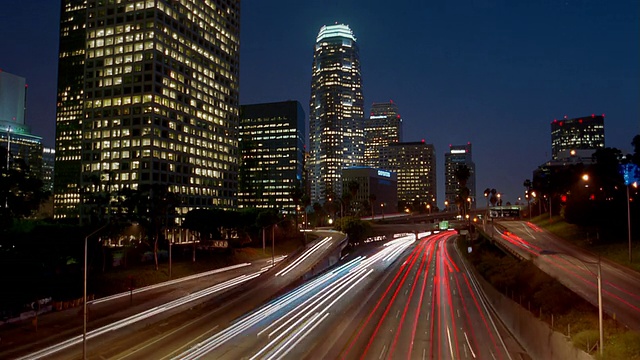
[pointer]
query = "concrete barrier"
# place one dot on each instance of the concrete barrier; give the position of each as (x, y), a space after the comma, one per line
(535, 336)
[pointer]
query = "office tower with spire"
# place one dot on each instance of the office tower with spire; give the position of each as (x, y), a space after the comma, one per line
(336, 115)
(382, 128)
(148, 94)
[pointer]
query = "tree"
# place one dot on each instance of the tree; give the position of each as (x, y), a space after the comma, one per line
(21, 191)
(493, 199)
(372, 200)
(356, 229)
(149, 205)
(636, 149)
(353, 187)
(487, 192)
(462, 174)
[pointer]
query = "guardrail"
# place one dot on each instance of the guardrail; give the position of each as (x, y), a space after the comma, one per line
(499, 244)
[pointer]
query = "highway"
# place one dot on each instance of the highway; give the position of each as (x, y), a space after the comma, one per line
(174, 319)
(403, 299)
(577, 269)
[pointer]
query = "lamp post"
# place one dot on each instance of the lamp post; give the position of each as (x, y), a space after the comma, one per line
(6, 204)
(84, 293)
(382, 206)
(446, 205)
(635, 185)
(429, 208)
(599, 277)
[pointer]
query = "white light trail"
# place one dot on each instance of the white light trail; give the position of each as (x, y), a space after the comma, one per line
(143, 315)
(305, 255)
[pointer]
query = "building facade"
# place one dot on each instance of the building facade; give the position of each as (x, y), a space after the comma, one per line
(457, 156)
(148, 94)
(48, 168)
(272, 138)
(377, 188)
(570, 136)
(25, 149)
(336, 129)
(383, 127)
(415, 166)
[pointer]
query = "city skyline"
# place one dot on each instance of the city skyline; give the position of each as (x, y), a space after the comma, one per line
(494, 74)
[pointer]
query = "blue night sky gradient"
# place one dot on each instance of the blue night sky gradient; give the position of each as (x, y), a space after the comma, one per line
(492, 72)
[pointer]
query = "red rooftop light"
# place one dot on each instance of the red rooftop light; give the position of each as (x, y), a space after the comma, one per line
(423, 141)
(565, 116)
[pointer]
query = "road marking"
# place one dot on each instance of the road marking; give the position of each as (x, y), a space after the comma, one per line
(382, 352)
(167, 335)
(469, 344)
(450, 344)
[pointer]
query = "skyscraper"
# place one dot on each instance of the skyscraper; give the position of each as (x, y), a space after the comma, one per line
(15, 135)
(457, 156)
(336, 114)
(272, 138)
(415, 166)
(383, 127)
(584, 133)
(148, 94)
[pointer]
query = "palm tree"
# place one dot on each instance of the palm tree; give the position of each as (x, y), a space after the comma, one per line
(353, 187)
(462, 174)
(372, 200)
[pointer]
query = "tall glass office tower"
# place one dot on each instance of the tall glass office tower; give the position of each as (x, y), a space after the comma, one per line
(148, 94)
(336, 115)
(383, 128)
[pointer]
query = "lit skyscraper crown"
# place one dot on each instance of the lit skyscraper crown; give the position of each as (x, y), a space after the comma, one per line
(338, 30)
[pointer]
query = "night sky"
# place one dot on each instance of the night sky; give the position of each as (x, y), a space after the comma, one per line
(490, 72)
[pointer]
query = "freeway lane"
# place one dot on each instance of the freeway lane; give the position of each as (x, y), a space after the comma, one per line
(432, 309)
(620, 286)
(20, 339)
(172, 329)
(406, 299)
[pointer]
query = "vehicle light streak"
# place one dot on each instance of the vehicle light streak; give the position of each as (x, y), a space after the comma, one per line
(305, 255)
(471, 281)
(143, 315)
(588, 281)
(414, 256)
(406, 306)
(292, 327)
(166, 283)
(429, 252)
(261, 314)
(347, 282)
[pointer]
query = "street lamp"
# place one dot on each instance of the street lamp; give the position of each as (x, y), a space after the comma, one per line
(635, 185)
(446, 205)
(84, 294)
(599, 277)
(382, 206)
(8, 164)
(429, 208)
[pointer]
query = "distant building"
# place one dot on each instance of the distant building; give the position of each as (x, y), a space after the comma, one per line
(272, 138)
(383, 127)
(24, 147)
(458, 155)
(336, 115)
(148, 93)
(382, 184)
(415, 166)
(48, 165)
(577, 137)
